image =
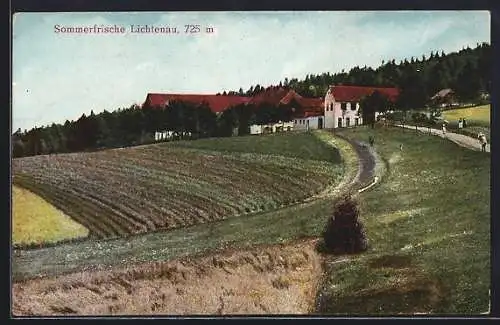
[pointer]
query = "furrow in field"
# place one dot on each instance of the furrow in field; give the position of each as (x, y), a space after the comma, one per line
(83, 204)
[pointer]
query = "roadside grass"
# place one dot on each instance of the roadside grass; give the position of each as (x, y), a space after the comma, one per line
(290, 144)
(36, 221)
(281, 225)
(428, 227)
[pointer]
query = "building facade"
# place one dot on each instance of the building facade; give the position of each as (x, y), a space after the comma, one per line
(342, 104)
(339, 108)
(309, 122)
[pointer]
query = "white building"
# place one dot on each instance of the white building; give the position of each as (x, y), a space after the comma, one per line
(167, 135)
(309, 122)
(271, 128)
(342, 104)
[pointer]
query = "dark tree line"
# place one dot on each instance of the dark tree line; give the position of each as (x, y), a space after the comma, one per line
(467, 72)
(137, 125)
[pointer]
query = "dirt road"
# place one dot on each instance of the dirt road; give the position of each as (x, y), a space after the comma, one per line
(460, 139)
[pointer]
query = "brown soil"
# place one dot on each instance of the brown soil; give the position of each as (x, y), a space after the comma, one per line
(264, 280)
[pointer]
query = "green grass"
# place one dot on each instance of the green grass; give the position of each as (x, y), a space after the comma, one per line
(432, 212)
(478, 120)
(475, 116)
(271, 227)
(290, 144)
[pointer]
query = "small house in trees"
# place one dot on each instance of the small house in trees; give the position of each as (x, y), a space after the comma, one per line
(444, 98)
(342, 104)
(309, 121)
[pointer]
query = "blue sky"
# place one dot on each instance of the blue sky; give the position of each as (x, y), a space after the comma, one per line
(61, 76)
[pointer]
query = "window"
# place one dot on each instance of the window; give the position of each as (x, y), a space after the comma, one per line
(353, 106)
(339, 122)
(343, 106)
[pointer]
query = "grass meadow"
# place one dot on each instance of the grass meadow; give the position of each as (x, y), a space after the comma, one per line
(279, 225)
(428, 226)
(427, 223)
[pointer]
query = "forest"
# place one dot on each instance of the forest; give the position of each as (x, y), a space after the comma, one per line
(467, 72)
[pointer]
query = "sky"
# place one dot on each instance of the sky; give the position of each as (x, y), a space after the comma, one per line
(60, 76)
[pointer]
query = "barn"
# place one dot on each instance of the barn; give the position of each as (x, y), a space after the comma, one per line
(339, 108)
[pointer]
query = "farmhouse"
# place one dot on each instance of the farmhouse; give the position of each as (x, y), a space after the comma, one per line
(309, 111)
(444, 98)
(339, 108)
(342, 104)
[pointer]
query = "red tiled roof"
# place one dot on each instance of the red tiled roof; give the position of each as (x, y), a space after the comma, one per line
(271, 96)
(355, 93)
(217, 103)
(312, 103)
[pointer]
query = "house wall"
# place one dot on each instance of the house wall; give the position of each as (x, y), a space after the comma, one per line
(313, 122)
(334, 114)
(259, 129)
(166, 135)
(330, 107)
(255, 129)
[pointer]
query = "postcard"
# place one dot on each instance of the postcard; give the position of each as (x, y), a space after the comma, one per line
(331, 163)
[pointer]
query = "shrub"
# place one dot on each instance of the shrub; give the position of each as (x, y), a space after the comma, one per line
(344, 233)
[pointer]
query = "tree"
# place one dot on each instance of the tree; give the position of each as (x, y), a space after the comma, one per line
(468, 82)
(344, 232)
(18, 148)
(369, 105)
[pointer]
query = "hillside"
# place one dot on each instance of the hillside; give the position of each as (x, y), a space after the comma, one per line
(175, 186)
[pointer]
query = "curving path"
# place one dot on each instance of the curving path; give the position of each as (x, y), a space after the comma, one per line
(460, 139)
(367, 163)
